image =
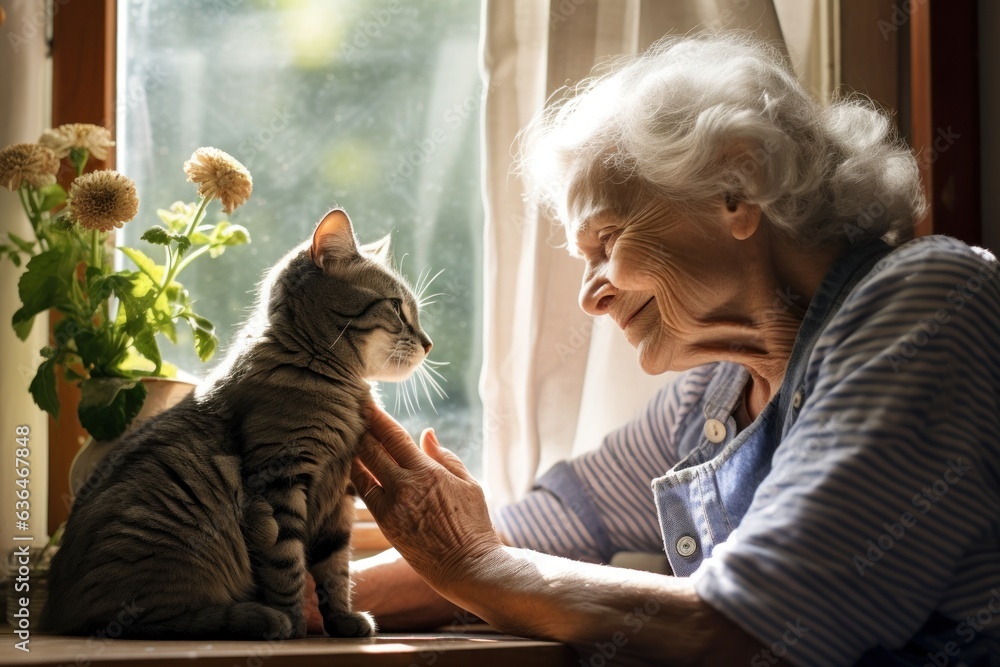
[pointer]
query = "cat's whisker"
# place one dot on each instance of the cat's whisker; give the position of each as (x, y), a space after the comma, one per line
(419, 286)
(431, 369)
(340, 336)
(422, 375)
(426, 373)
(420, 292)
(406, 400)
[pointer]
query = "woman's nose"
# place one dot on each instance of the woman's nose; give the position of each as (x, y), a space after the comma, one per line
(596, 295)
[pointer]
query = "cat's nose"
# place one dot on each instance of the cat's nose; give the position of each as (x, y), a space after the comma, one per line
(426, 342)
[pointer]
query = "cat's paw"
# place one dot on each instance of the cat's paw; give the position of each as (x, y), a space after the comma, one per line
(251, 620)
(298, 629)
(351, 624)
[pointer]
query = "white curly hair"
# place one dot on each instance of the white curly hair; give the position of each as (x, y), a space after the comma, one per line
(710, 117)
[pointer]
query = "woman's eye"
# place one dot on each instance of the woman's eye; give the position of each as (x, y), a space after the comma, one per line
(607, 239)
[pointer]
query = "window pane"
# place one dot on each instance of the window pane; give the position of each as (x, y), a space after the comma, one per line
(369, 105)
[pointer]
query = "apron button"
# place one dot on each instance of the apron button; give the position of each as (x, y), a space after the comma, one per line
(686, 546)
(715, 431)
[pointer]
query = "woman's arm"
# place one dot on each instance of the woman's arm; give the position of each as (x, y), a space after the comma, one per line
(398, 597)
(433, 511)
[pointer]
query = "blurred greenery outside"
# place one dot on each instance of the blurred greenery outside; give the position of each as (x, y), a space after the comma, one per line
(372, 105)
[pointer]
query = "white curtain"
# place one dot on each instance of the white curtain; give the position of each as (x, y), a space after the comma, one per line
(25, 83)
(554, 379)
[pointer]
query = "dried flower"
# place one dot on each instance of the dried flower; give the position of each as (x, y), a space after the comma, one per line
(33, 163)
(102, 200)
(219, 175)
(63, 139)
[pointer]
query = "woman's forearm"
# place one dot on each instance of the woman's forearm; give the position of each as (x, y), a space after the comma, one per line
(636, 616)
(397, 597)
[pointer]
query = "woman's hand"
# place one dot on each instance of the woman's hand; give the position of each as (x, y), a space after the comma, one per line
(426, 502)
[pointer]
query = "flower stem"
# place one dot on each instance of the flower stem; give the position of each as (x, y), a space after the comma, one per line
(33, 210)
(95, 249)
(97, 260)
(197, 216)
(175, 260)
(190, 258)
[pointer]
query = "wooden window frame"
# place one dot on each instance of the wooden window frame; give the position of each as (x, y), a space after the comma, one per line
(919, 59)
(83, 91)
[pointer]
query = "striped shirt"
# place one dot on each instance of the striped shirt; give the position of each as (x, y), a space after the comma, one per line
(857, 520)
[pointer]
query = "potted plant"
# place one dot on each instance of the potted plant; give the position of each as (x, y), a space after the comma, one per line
(105, 333)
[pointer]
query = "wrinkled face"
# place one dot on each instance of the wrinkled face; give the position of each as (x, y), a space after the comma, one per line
(349, 308)
(663, 281)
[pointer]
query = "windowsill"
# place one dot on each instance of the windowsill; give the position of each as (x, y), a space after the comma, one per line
(366, 537)
(484, 649)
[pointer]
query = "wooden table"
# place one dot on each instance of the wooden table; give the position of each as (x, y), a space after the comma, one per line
(442, 649)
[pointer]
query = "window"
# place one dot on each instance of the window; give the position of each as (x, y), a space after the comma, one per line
(369, 105)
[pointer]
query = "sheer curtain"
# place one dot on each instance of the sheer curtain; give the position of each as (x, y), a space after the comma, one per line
(554, 379)
(25, 83)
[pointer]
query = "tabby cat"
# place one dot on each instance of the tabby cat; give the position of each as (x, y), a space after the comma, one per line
(207, 525)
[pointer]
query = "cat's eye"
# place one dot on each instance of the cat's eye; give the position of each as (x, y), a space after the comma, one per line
(397, 307)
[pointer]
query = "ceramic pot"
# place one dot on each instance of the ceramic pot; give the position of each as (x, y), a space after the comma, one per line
(161, 395)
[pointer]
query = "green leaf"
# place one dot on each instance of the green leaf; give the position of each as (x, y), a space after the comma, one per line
(22, 327)
(156, 235)
(108, 405)
(137, 294)
(226, 234)
(236, 235)
(12, 254)
(44, 284)
(168, 329)
(205, 341)
(160, 236)
(23, 244)
(99, 286)
(43, 388)
(145, 343)
(51, 196)
(96, 348)
(178, 216)
(145, 264)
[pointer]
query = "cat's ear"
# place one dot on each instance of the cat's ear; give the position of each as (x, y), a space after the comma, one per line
(333, 239)
(380, 251)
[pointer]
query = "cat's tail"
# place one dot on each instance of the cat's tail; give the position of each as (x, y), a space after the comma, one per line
(243, 620)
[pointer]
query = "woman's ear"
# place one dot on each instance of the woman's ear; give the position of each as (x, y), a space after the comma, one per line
(333, 239)
(741, 218)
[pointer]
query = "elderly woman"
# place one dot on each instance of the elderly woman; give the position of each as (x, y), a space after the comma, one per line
(825, 472)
